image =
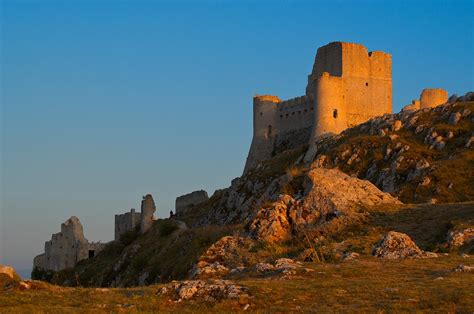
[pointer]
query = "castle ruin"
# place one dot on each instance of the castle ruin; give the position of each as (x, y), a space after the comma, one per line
(429, 98)
(347, 86)
(132, 220)
(126, 222)
(189, 201)
(67, 248)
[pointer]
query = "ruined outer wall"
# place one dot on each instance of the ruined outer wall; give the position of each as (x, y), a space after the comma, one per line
(185, 202)
(148, 208)
(432, 97)
(126, 222)
(65, 248)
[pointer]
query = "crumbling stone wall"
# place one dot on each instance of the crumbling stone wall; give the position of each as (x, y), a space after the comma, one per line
(148, 208)
(126, 222)
(429, 98)
(66, 248)
(188, 201)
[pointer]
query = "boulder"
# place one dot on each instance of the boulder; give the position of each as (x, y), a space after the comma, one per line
(329, 193)
(454, 118)
(396, 245)
(9, 272)
(210, 290)
(458, 238)
(461, 268)
(221, 257)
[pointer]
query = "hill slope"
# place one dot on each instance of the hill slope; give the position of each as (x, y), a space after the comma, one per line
(296, 206)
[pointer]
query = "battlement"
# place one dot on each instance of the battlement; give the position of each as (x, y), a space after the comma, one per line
(262, 98)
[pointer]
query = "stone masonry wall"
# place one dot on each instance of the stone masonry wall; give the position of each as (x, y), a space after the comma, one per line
(66, 248)
(126, 222)
(188, 201)
(148, 209)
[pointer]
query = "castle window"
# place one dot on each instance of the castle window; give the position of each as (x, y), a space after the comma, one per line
(366, 83)
(261, 113)
(305, 111)
(287, 115)
(91, 253)
(281, 116)
(334, 113)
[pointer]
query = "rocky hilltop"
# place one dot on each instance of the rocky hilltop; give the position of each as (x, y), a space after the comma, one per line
(343, 197)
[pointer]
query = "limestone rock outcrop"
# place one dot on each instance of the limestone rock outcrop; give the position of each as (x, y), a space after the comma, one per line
(207, 290)
(396, 245)
(222, 256)
(329, 193)
(458, 238)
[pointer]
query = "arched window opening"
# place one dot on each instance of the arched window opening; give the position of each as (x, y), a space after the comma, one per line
(334, 113)
(366, 83)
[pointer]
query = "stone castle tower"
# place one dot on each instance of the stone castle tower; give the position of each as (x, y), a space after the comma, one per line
(347, 86)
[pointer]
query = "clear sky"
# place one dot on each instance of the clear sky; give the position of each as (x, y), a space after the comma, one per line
(105, 101)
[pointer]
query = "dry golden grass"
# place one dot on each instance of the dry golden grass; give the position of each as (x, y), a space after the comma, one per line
(366, 285)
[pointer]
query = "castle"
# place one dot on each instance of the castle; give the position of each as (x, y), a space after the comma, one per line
(347, 86)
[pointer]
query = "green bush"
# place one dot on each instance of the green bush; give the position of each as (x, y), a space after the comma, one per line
(166, 228)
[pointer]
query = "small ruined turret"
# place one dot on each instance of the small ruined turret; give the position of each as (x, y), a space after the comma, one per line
(148, 209)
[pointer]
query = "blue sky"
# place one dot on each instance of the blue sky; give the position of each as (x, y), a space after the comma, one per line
(105, 101)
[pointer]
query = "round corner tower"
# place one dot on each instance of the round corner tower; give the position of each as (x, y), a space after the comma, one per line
(330, 113)
(265, 129)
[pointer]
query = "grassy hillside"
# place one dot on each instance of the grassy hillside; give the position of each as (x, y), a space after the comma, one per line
(365, 285)
(389, 158)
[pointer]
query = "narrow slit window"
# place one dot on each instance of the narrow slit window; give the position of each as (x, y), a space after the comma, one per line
(334, 113)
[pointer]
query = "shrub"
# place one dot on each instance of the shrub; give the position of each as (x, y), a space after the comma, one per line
(166, 228)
